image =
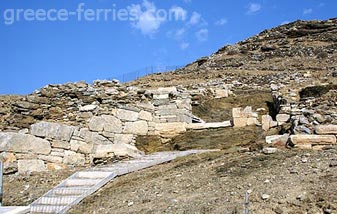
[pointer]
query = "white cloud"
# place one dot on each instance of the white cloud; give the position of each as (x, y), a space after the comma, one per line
(179, 13)
(184, 45)
(176, 34)
(307, 11)
(221, 22)
(285, 22)
(145, 18)
(202, 35)
(195, 18)
(253, 8)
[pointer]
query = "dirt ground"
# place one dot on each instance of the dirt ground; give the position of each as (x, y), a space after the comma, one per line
(24, 189)
(285, 182)
(289, 181)
(217, 110)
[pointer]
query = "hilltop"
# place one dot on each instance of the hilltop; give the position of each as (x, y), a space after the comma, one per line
(300, 46)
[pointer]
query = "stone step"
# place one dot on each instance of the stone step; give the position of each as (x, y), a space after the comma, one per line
(69, 191)
(36, 209)
(74, 182)
(92, 174)
(81, 184)
(56, 200)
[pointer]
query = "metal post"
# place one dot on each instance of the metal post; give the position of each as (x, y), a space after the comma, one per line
(246, 203)
(1, 173)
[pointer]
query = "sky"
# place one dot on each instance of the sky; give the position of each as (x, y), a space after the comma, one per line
(58, 41)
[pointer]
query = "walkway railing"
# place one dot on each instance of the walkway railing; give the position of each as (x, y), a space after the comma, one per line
(126, 77)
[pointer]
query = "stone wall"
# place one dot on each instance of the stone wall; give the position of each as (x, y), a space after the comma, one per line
(96, 128)
(310, 121)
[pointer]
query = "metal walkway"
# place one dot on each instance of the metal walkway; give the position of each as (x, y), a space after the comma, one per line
(82, 184)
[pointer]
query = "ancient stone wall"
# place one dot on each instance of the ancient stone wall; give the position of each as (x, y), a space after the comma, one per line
(75, 124)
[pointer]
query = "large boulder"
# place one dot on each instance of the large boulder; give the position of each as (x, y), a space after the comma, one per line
(23, 143)
(54, 131)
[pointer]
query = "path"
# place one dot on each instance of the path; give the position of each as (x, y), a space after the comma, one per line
(82, 184)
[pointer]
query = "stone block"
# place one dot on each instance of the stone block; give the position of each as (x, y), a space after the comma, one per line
(55, 166)
(96, 124)
(277, 139)
(23, 143)
(236, 112)
(137, 128)
(73, 158)
(81, 147)
(240, 122)
(88, 108)
(266, 120)
(127, 115)
(122, 149)
(282, 118)
(51, 159)
(313, 139)
(60, 144)
(124, 138)
(27, 166)
(169, 129)
(144, 115)
(52, 131)
(326, 129)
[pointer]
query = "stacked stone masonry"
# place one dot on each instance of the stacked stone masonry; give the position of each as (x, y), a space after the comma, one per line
(89, 122)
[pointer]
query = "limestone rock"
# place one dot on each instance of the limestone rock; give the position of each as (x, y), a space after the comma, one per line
(266, 120)
(269, 150)
(197, 126)
(144, 115)
(137, 128)
(221, 93)
(51, 159)
(326, 129)
(106, 123)
(313, 139)
(169, 129)
(87, 136)
(102, 150)
(60, 144)
(122, 149)
(27, 166)
(81, 147)
(55, 131)
(23, 143)
(73, 158)
(282, 117)
(124, 138)
(55, 166)
(88, 108)
(127, 115)
(277, 139)
(112, 124)
(96, 124)
(10, 163)
(240, 122)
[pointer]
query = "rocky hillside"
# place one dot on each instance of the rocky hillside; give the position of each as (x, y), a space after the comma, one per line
(298, 46)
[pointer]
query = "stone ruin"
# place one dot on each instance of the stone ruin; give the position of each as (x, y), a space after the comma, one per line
(75, 124)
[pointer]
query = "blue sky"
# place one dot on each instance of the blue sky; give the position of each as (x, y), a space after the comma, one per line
(34, 53)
